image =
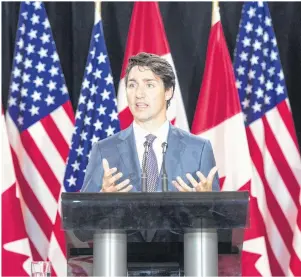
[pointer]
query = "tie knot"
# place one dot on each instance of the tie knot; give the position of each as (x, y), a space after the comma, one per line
(150, 138)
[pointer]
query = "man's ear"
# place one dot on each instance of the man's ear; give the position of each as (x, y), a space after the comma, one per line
(168, 94)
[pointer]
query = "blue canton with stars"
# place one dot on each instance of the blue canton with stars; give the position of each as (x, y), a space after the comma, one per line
(37, 83)
(96, 116)
(257, 66)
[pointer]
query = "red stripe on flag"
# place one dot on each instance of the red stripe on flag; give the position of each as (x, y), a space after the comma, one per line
(139, 38)
(287, 118)
(281, 163)
(273, 206)
(127, 118)
(56, 137)
(41, 164)
(69, 111)
(31, 200)
(59, 234)
(295, 264)
(35, 254)
(275, 267)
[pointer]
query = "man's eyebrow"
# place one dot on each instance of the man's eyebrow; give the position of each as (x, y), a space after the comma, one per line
(149, 79)
(144, 80)
(133, 80)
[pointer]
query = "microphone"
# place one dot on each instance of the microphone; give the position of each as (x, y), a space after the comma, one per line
(164, 146)
(146, 145)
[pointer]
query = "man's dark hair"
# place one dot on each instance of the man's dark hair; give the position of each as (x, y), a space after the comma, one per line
(157, 65)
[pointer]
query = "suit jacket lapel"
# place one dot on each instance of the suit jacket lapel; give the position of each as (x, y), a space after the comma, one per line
(129, 156)
(174, 154)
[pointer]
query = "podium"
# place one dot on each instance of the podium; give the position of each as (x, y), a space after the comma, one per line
(110, 218)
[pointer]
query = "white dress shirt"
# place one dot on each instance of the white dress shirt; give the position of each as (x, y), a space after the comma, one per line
(161, 136)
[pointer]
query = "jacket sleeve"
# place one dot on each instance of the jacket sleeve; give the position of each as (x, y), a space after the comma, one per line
(94, 171)
(207, 163)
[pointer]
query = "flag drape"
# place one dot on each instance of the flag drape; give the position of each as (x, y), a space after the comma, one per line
(39, 123)
(276, 167)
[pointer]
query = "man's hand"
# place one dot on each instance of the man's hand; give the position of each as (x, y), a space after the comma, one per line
(109, 181)
(204, 184)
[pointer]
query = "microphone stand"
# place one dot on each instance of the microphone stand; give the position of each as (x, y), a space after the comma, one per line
(164, 173)
(144, 174)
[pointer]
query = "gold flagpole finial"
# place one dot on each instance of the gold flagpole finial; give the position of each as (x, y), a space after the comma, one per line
(215, 12)
(98, 8)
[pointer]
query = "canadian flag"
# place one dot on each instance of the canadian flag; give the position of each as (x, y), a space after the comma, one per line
(147, 34)
(16, 255)
(219, 118)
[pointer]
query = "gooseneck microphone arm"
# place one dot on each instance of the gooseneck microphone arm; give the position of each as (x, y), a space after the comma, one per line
(146, 145)
(164, 146)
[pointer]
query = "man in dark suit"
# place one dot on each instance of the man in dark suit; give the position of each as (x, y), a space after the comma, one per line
(116, 163)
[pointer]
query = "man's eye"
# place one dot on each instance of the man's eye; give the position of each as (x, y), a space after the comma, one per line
(131, 85)
(150, 85)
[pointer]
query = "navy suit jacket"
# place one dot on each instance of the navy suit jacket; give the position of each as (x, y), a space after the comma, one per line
(186, 153)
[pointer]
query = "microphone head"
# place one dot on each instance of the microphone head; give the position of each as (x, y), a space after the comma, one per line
(164, 146)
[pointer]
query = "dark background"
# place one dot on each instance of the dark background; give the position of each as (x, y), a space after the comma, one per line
(187, 25)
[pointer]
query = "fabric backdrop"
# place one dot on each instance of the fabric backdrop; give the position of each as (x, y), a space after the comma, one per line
(187, 26)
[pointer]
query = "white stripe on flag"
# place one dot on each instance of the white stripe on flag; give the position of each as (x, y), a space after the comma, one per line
(285, 142)
(277, 244)
(63, 123)
(50, 153)
(57, 257)
(280, 190)
(297, 242)
(35, 233)
(274, 179)
(31, 174)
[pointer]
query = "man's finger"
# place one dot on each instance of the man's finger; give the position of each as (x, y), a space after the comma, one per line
(211, 174)
(110, 189)
(106, 167)
(113, 170)
(183, 184)
(115, 178)
(203, 179)
(127, 189)
(191, 180)
(105, 164)
(122, 184)
(179, 188)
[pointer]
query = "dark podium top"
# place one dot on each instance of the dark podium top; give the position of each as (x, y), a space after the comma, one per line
(156, 210)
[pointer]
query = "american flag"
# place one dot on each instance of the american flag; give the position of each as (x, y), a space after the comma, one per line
(96, 116)
(276, 179)
(40, 124)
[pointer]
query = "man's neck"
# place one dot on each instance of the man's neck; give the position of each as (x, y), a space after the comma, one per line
(151, 126)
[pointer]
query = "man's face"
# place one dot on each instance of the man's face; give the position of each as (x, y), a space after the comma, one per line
(146, 95)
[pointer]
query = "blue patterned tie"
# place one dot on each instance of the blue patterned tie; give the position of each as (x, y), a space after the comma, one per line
(151, 165)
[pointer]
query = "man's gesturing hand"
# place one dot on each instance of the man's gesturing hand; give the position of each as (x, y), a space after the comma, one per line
(109, 181)
(205, 184)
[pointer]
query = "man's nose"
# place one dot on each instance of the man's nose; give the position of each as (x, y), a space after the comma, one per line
(140, 92)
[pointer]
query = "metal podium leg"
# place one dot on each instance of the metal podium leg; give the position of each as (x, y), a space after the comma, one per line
(200, 253)
(110, 254)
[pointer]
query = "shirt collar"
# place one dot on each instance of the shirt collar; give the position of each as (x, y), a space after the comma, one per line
(141, 133)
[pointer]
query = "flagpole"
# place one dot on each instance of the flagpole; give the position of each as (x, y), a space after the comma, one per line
(215, 17)
(98, 8)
